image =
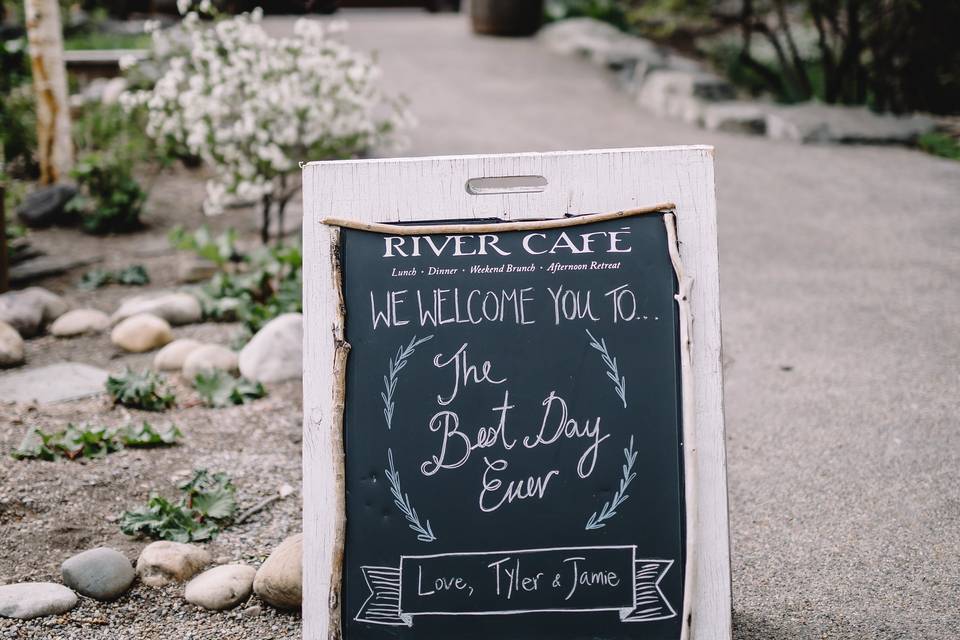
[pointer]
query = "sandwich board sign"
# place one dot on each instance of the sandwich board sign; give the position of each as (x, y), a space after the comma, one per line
(512, 398)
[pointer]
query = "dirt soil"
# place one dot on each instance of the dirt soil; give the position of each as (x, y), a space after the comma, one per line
(50, 511)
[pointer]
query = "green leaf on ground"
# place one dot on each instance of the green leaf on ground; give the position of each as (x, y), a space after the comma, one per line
(940, 144)
(220, 389)
(86, 441)
(219, 250)
(207, 506)
(90, 441)
(145, 435)
(160, 519)
(135, 274)
(144, 390)
(34, 445)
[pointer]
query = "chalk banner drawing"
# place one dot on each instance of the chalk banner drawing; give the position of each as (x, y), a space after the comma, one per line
(560, 581)
(512, 432)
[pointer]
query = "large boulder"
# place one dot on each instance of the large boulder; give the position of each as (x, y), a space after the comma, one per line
(11, 346)
(222, 587)
(207, 358)
(28, 600)
(279, 580)
(176, 308)
(30, 309)
(815, 122)
(45, 206)
(78, 322)
(275, 353)
(101, 573)
(736, 117)
(680, 94)
(172, 356)
(163, 562)
(140, 333)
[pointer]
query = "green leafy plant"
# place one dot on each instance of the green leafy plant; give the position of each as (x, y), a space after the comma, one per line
(18, 119)
(133, 275)
(36, 444)
(140, 390)
(91, 441)
(110, 199)
(612, 11)
(253, 288)
(111, 142)
(146, 435)
(219, 250)
(220, 389)
(84, 441)
(940, 144)
(104, 40)
(207, 506)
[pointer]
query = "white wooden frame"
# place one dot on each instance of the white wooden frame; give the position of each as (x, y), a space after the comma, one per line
(394, 190)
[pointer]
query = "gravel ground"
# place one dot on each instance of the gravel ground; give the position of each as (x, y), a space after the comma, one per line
(52, 510)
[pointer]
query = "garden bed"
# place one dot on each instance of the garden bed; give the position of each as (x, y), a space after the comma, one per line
(50, 511)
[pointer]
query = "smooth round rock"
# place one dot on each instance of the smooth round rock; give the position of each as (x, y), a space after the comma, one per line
(141, 333)
(172, 356)
(101, 573)
(207, 358)
(195, 270)
(78, 322)
(28, 600)
(30, 309)
(163, 562)
(279, 580)
(51, 305)
(222, 587)
(275, 353)
(175, 308)
(45, 206)
(11, 346)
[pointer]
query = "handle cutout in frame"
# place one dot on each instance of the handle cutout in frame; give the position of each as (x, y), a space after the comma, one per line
(506, 184)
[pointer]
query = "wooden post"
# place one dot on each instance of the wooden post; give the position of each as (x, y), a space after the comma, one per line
(45, 36)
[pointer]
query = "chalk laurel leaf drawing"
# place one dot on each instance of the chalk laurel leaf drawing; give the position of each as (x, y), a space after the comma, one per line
(402, 500)
(596, 521)
(619, 382)
(397, 363)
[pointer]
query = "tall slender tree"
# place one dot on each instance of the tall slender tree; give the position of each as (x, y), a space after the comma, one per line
(45, 37)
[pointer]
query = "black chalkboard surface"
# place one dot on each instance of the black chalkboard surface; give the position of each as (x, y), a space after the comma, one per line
(512, 430)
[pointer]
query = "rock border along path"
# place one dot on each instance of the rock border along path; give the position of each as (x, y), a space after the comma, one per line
(672, 86)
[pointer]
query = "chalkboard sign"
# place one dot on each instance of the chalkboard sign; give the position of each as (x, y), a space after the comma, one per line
(513, 432)
(505, 437)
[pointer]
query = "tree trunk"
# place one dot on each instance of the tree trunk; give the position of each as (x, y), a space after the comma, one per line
(4, 258)
(265, 221)
(45, 35)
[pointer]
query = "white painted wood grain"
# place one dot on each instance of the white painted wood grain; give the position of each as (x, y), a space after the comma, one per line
(578, 182)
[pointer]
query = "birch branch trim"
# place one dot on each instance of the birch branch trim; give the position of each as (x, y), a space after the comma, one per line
(341, 351)
(524, 225)
(684, 283)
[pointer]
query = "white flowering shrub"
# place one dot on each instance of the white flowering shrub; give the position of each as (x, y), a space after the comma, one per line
(253, 106)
